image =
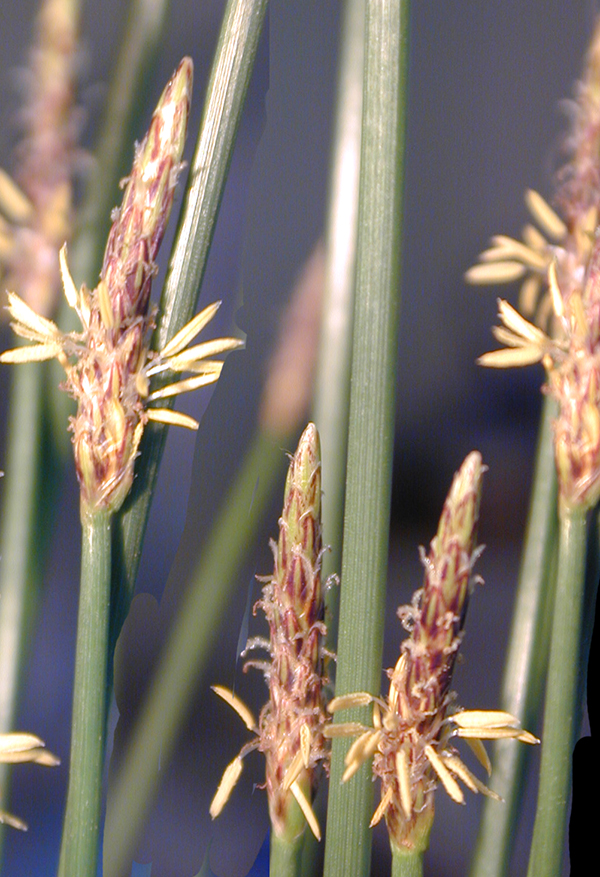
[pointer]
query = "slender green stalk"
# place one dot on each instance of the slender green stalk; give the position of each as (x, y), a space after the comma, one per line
(236, 50)
(332, 382)
(561, 689)
(285, 856)
(18, 519)
(79, 848)
(21, 544)
(370, 439)
(187, 649)
(44, 165)
(526, 661)
(406, 864)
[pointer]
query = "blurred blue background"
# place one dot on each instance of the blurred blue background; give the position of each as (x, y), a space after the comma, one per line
(484, 123)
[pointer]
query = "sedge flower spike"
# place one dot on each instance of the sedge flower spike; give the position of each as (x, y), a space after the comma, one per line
(109, 364)
(562, 238)
(290, 728)
(36, 212)
(410, 740)
(564, 266)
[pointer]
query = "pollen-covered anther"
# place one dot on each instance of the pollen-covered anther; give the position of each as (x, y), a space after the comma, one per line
(403, 775)
(490, 725)
(346, 701)
(545, 216)
(382, 807)
(306, 808)
(231, 775)
(360, 751)
(238, 705)
(444, 775)
(17, 748)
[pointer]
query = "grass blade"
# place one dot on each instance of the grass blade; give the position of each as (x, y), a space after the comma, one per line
(370, 439)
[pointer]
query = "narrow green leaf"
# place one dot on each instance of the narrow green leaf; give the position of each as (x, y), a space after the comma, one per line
(526, 659)
(81, 829)
(561, 709)
(370, 439)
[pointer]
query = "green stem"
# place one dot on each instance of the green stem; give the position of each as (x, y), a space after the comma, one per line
(526, 661)
(561, 691)
(187, 650)
(371, 426)
(332, 382)
(18, 587)
(332, 379)
(406, 864)
(285, 858)
(79, 848)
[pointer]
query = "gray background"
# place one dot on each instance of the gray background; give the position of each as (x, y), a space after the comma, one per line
(485, 83)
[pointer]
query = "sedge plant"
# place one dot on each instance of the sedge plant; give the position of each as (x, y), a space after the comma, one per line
(123, 385)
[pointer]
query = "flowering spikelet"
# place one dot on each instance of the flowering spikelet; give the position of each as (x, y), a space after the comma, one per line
(570, 271)
(290, 727)
(16, 748)
(566, 237)
(38, 206)
(412, 728)
(109, 364)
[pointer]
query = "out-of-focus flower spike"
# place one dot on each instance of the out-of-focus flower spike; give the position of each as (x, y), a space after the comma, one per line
(39, 202)
(14, 204)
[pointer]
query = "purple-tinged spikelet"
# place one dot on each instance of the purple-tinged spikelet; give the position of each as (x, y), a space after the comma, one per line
(290, 727)
(139, 224)
(109, 364)
(563, 263)
(412, 727)
(293, 604)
